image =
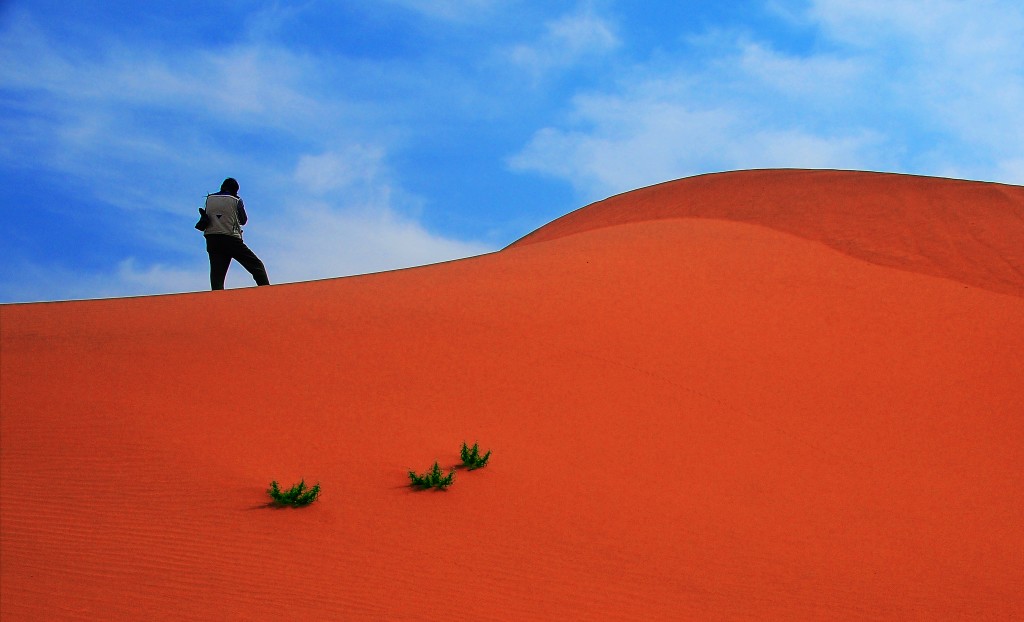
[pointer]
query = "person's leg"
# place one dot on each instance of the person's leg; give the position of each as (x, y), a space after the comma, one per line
(243, 255)
(220, 259)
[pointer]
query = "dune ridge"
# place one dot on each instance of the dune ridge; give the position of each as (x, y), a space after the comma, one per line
(962, 230)
(690, 418)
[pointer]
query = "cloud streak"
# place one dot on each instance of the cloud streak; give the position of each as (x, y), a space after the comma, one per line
(566, 41)
(886, 86)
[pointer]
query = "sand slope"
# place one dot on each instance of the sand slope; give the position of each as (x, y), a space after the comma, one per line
(699, 409)
(967, 231)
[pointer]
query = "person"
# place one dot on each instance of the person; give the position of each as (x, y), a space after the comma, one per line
(224, 217)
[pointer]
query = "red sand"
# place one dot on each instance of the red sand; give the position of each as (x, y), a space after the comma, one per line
(703, 404)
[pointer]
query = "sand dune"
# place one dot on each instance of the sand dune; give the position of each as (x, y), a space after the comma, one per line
(752, 395)
(966, 231)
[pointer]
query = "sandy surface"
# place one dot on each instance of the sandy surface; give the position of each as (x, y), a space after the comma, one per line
(755, 395)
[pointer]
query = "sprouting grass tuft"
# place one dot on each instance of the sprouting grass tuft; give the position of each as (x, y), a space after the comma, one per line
(434, 478)
(296, 496)
(471, 456)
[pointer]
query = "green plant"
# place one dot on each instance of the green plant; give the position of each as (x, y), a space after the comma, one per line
(471, 456)
(434, 478)
(296, 496)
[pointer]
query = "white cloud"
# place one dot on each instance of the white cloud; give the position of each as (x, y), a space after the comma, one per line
(961, 63)
(566, 41)
(639, 139)
(824, 76)
(130, 277)
(868, 22)
(339, 213)
(334, 170)
(247, 83)
(324, 242)
(343, 218)
(139, 125)
(924, 87)
(135, 279)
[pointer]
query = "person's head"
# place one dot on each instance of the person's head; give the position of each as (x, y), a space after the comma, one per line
(230, 186)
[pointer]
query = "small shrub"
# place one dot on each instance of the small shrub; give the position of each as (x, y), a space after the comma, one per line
(296, 496)
(471, 456)
(434, 478)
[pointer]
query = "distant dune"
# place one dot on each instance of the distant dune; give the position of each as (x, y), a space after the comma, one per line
(755, 395)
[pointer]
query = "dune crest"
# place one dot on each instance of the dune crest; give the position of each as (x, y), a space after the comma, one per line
(972, 232)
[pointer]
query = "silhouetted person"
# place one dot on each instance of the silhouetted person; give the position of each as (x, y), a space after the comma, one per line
(225, 215)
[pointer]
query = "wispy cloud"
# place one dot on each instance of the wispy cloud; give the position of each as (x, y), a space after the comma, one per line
(959, 64)
(38, 282)
(566, 40)
(325, 242)
(890, 86)
(638, 139)
(332, 171)
(343, 217)
(91, 116)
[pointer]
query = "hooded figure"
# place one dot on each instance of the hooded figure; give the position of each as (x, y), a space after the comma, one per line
(224, 216)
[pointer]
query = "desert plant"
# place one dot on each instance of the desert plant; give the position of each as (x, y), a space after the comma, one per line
(434, 478)
(471, 456)
(296, 496)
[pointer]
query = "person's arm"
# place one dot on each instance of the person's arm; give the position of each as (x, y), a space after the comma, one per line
(242, 218)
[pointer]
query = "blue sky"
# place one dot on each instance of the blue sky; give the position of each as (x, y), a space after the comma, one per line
(379, 134)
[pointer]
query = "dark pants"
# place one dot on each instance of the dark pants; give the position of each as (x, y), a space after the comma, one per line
(224, 248)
